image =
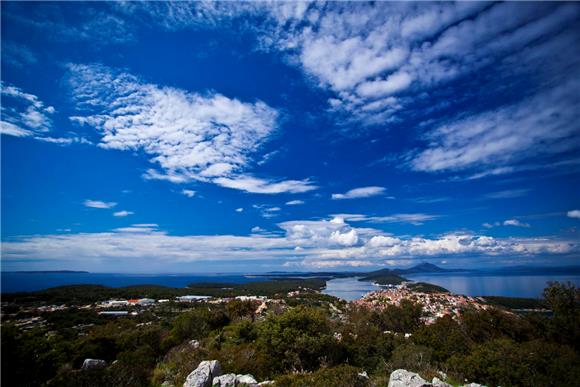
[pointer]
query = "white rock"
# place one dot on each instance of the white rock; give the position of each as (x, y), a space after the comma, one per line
(194, 344)
(473, 385)
(246, 379)
(439, 383)
(404, 378)
(266, 383)
(203, 375)
(227, 380)
(92, 364)
(363, 375)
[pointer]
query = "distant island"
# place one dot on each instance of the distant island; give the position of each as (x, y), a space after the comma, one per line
(48, 271)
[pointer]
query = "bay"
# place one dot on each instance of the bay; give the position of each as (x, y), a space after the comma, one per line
(350, 288)
(482, 284)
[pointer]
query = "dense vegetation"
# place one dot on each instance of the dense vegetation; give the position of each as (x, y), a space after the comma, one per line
(425, 287)
(383, 277)
(314, 340)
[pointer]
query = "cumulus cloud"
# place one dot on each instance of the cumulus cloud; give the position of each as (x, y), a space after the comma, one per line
(574, 214)
(362, 192)
(120, 214)
(322, 243)
(240, 209)
(98, 204)
(209, 138)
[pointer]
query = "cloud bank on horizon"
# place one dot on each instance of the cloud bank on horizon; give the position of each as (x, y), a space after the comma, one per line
(227, 133)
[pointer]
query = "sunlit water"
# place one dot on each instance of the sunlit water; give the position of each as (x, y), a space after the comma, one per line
(479, 284)
(471, 284)
(349, 288)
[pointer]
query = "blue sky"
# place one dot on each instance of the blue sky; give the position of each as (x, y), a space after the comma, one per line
(248, 137)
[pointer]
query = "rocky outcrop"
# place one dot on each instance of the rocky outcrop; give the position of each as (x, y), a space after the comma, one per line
(203, 375)
(93, 364)
(209, 374)
(227, 380)
(404, 378)
(436, 382)
(233, 380)
(246, 380)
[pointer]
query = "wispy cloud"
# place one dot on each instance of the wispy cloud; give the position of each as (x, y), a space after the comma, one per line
(23, 114)
(543, 125)
(416, 219)
(209, 138)
(18, 55)
(187, 192)
(294, 202)
(98, 204)
(515, 223)
(574, 214)
(362, 192)
(121, 214)
(507, 194)
(267, 211)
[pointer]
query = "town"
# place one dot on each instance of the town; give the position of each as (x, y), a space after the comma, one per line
(435, 304)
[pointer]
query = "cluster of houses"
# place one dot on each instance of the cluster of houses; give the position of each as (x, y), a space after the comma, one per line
(435, 305)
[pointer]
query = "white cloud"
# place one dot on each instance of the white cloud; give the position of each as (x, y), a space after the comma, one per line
(209, 138)
(98, 204)
(574, 214)
(255, 185)
(267, 211)
(380, 88)
(189, 193)
(362, 192)
(540, 126)
(348, 238)
(239, 209)
(322, 242)
(515, 223)
(121, 214)
(382, 60)
(295, 202)
(416, 219)
(23, 114)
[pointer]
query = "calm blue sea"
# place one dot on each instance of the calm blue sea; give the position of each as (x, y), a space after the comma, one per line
(471, 284)
(481, 284)
(19, 282)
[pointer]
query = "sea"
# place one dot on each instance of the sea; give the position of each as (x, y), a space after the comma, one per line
(32, 281)
(468, 283)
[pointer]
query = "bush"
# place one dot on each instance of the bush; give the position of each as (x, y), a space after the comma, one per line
(341, 376)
